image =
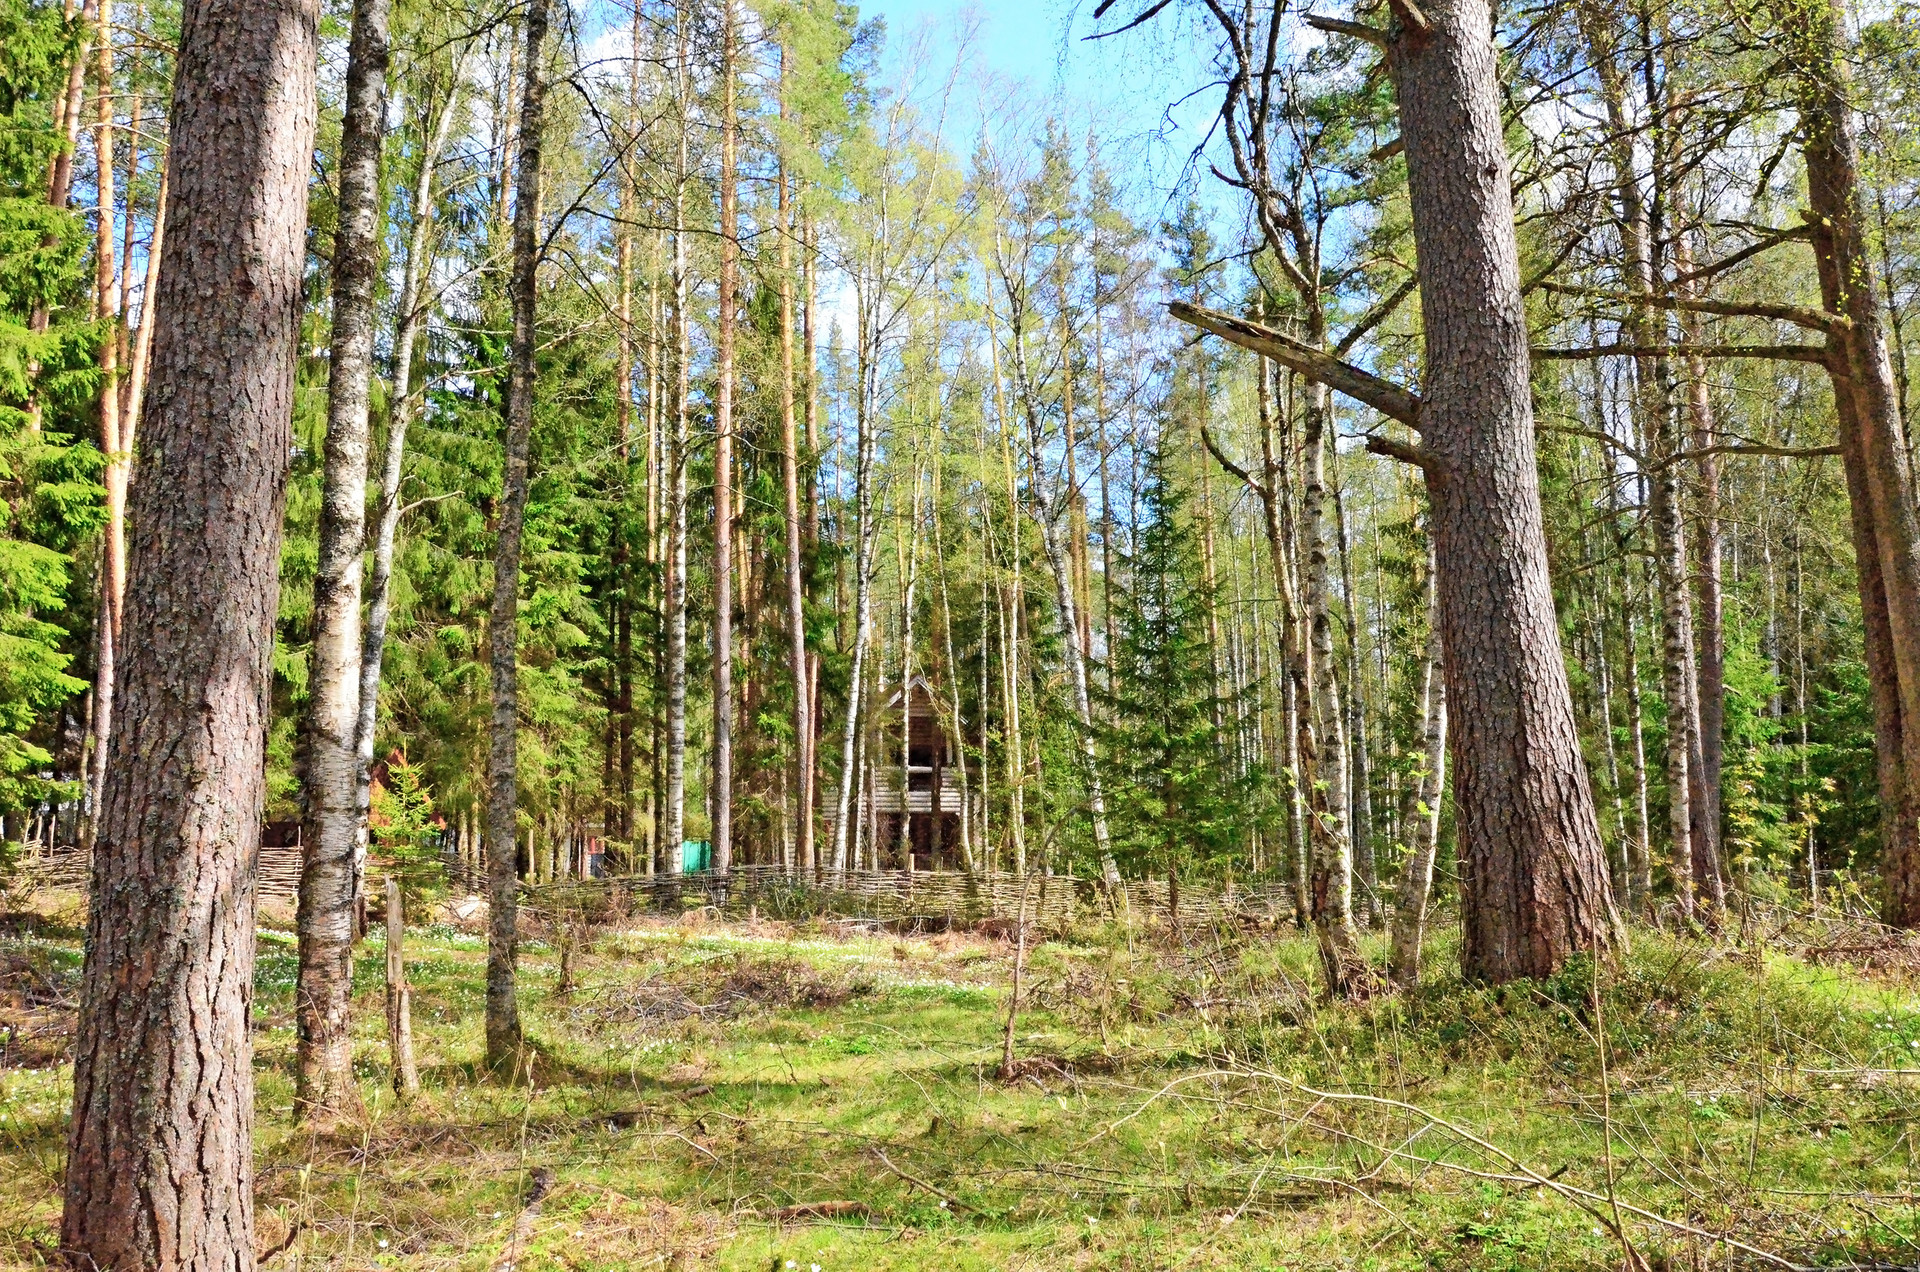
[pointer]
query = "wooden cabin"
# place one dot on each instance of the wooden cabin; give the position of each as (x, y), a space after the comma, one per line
(932, 803)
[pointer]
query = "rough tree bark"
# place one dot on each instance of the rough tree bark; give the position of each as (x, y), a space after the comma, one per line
(1533, 868)
(324, 1083)
(503, 623)
(160, 1147)
(1850, 287)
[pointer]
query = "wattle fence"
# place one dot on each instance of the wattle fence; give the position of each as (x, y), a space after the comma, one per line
(910, 900)
(898, 899)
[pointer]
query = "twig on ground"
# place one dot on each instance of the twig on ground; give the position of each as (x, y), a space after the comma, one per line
(952, 1201)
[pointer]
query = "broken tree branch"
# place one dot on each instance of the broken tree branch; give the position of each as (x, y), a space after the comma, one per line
(1364, 387)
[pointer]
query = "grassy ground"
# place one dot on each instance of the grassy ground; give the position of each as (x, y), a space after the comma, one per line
(770, 1095)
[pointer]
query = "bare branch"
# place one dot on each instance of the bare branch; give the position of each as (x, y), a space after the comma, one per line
(1744, 254)
(1756, 448)
(1375, 316)
(1812, 319)
(1339, 26)
(1418, 456)
(1365, 387)
(1145, 17)
(1818, 354)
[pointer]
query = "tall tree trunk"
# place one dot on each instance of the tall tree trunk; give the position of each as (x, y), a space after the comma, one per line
(1416, 877)
(503, 622)
(675, 725)
(1676, 658)
(1049, 512)
(1361, 828)
(113, 579)
(1653, 413)
(160, 1145)
(60, 179)
(325, 1087)
(1711, 638)
(866, 547)
(723, 511)
(1331, 882)
(142, 356)
(1533, 868)
(412, 308)
(790, 481)
(1849, 286)
(1640, 848)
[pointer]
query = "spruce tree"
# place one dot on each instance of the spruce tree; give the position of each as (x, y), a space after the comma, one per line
(1179, 806)
(48, 500)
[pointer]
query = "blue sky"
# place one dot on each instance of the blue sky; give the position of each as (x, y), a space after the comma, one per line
(1033, 53)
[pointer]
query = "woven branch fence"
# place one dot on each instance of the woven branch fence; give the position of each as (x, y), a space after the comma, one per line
(912, 900)
(900, 899)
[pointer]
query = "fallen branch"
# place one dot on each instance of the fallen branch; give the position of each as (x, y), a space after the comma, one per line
(953, 1202)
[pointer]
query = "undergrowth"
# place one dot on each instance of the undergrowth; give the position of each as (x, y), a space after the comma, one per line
(745, 1095)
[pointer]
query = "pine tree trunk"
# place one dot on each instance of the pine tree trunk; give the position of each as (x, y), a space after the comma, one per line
(1849, 286)
(790, 480)
(503, 622)
(325, 1088)
(159, 1166)
(1533, 868)
(1416, 877)
(113, 445)
(142, 356)
(1711, 638)
(60, 180)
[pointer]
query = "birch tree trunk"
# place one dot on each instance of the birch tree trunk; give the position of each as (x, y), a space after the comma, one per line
(413, 308)
(675, 600)
(723, 565)
(1360, 830)
(159, 1166)
(1331, 879)
(503, 623)
(1047, 511)
(1416, 877)
(325, 1088)
(867, 539)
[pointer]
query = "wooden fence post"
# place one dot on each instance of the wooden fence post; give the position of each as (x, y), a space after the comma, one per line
(406, 1075)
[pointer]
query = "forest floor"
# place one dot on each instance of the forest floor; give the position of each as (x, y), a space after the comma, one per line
(764, 1095)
